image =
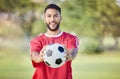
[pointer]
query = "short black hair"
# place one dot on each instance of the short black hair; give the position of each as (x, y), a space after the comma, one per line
(53, 6)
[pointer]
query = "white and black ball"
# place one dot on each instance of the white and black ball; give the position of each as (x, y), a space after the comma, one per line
(54, 55)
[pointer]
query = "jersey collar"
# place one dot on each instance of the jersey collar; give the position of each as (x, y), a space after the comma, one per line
(54, 35)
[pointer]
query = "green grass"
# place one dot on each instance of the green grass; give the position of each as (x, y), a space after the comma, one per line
(17, 65)
(105, 66)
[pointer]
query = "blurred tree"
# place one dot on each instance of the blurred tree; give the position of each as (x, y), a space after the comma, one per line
(79, 17)
(14, 5)
(109, 19)
(92, 18)
(25, 9)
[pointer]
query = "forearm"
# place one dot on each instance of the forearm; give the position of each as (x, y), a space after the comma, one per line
(35, 56)
(38, 57)
(74, 53)
(71, 55)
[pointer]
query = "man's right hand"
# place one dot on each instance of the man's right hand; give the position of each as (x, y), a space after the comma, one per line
(38, 57)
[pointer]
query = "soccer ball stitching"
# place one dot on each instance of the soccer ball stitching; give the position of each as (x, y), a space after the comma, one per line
(54, 55)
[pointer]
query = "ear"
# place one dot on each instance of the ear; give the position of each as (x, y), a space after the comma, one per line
(60, 18)
(44, 19)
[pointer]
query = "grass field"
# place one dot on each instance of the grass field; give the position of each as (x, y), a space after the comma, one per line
(17, 65)
(105, 66)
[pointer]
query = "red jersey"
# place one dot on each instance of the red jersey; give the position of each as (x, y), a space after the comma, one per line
(42, 70)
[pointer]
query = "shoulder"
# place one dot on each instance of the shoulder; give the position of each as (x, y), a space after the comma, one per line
(70, 35)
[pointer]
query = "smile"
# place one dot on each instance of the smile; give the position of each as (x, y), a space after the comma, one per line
(53, 23)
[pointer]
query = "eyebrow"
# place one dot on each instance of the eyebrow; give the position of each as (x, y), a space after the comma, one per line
(53, 14)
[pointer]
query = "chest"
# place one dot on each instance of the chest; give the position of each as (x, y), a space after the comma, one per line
(51, 40)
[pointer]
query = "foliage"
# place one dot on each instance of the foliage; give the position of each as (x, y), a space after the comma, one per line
(87, 18)
(89, 45)
(89, 15)
(108, 18)
(92, 18)
(38, 27)
(25, 10)
(12, 5)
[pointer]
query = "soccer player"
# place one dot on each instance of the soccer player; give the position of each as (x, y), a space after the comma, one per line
(52, 19)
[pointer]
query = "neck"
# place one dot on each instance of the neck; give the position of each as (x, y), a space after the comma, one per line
(53, 32)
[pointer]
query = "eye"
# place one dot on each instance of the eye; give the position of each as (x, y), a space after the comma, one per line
(56, 15)
(48, 16)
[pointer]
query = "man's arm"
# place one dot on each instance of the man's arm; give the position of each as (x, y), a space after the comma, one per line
(71, 54)
(38, 57)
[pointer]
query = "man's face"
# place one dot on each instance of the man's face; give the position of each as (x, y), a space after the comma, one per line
(52, 19)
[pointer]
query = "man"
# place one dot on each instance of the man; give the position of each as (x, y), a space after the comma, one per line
(52, 19)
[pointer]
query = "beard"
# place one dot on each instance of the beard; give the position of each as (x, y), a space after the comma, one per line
(55, 29)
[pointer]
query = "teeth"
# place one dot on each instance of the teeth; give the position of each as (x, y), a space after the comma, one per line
(53, 23)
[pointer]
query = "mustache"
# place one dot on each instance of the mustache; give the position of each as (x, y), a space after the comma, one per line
(53, 22)
(57, 27)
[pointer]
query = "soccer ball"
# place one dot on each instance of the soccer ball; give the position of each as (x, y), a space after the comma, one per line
(54, 55)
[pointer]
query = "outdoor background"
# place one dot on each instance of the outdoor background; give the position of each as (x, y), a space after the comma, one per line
(95, 22)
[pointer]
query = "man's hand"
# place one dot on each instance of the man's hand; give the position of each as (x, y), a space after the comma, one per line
(38, 57)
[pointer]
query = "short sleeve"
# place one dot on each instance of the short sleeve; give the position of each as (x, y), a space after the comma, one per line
(35, 45)
(73, 42)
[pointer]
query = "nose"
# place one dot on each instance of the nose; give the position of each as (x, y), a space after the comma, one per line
(52, 18)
